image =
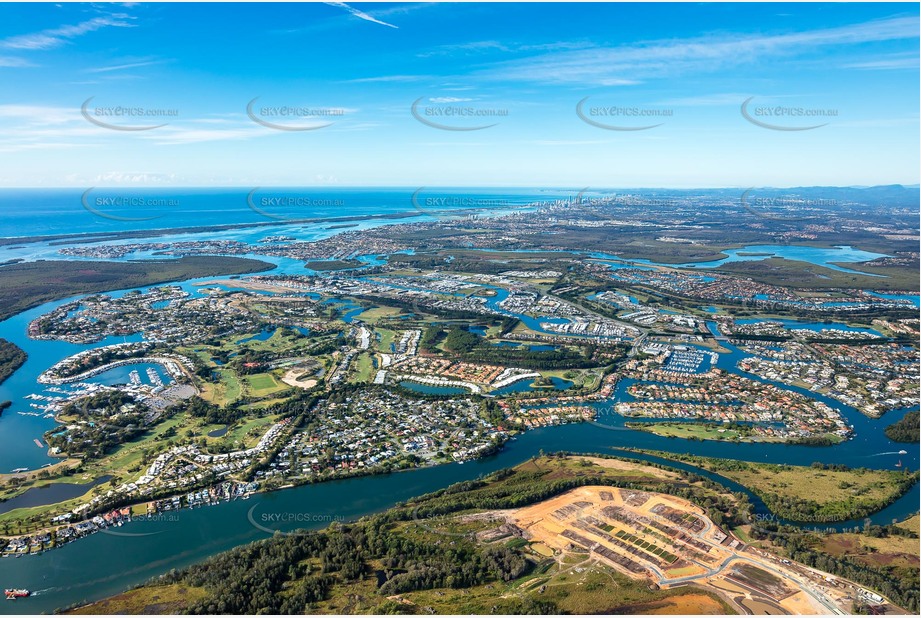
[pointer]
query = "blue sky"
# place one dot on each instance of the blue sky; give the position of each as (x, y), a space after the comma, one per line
(687, 68)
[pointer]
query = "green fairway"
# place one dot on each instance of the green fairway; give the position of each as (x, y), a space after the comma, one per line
(261, 384)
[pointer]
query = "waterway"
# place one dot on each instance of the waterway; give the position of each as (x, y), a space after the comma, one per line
(820, 256)
(49, 494)
(107, 563)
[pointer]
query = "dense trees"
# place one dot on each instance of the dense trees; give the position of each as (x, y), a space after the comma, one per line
(905, 430)
(110, 418)
(11, 359)
(461, 341)
(471, 347)
(248, 580)
(29, 284)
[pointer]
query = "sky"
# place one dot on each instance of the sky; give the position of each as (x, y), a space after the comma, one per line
(459, 94)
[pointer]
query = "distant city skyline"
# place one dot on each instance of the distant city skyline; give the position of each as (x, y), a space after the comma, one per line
(459, 94)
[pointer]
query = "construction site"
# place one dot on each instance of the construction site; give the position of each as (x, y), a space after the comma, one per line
(672, 543)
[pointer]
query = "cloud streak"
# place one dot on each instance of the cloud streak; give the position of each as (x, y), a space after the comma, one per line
(128, 65)
(55, 37)
(360, 14)
(624, 65)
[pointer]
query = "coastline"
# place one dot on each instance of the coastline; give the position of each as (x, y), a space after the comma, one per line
(91, 237)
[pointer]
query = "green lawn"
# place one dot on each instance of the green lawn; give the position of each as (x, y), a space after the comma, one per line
(387, 336)
(226, 391)
(363, 368)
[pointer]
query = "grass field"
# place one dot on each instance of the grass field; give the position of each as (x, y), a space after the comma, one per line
(171, 599)
(778, 271)
(386, 338)
(580, 378)
(226, 391)
(687, 431)
(250, 431)
(810, 493)
(262, 384)
(913, 523)
(378, 313)
(363, 368)
(819, 485)
(898, 551)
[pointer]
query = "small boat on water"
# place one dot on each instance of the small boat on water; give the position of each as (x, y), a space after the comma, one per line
(16, 593)
(903, 452)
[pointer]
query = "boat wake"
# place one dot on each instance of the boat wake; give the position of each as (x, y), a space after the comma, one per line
(888, 453)
(35, 593)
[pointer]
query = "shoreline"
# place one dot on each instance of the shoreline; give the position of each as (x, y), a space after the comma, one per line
(365, 472)
(91, 237)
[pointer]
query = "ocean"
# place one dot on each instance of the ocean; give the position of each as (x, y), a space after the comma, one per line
(39, 212)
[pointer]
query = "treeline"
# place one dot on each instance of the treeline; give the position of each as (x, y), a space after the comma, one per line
(215, 415)
(28, 284)
(905, 430)
(290, 574)
(412, 307)
(471, 347)
(11, 358)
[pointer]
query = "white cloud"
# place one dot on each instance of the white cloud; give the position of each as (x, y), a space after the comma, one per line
(128, 65)
(478, 47)
(39, 114)
(54, 37)
(12, 61)
(133, 178)
(890, 62)
(624, 65)
(360, 14)
(388, 78)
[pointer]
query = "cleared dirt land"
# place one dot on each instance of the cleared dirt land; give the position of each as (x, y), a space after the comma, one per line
(672, 543)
